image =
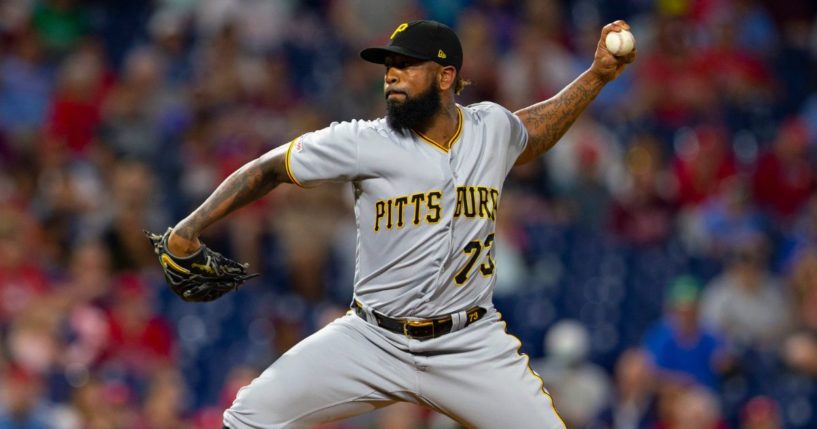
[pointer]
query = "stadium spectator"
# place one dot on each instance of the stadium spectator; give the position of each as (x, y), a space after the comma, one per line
(799, 350)
(164, 403)
(141, 342)
(99, 404)
(582, 387)
(136, 108)
(22, 280)
(74, 114)
(718, 226)
(515, 274)
(643, 213)
(671, 89)
(23, 403)
(60, 24)
(27, 84)
(81, 305)
(132, 201)
(475, 32)
(747, 302)
(400, 416)
(785, 178)
(760, 413)
(682, 349)
(529, 71)
(692, 408)
(702, 163)
(586, 172)
(744, 82)
(800, 238)
(168, 29)
(633, 403)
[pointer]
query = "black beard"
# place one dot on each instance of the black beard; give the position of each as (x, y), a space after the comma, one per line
(413, 113)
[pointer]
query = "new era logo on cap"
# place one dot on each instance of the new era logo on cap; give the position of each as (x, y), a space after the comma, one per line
(424, 40)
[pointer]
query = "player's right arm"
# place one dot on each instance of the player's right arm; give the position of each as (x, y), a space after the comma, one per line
(247, 184)
(547, 121)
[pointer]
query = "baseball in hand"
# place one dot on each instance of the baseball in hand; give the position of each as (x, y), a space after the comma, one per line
(620, 43)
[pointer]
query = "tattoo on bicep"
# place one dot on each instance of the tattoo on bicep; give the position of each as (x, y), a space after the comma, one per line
(549, 120)
(249, 183)
(256, 179)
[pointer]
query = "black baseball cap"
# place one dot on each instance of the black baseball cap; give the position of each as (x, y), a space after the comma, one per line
(424, 40)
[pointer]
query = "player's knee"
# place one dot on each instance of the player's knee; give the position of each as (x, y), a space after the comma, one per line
(268, 400)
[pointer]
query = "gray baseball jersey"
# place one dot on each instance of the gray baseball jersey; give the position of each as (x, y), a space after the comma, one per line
(425, 215)
(426, 218)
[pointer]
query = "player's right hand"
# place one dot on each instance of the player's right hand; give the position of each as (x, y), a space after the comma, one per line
(606, 65)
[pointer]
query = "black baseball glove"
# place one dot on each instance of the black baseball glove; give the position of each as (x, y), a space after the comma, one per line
(203, 276)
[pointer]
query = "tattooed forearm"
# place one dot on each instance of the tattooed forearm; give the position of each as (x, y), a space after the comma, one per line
(249, 183)
(548, 121)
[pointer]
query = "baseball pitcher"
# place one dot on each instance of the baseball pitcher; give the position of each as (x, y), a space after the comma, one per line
(427, 181)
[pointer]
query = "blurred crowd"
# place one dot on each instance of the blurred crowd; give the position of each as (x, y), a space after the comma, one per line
(660, 264)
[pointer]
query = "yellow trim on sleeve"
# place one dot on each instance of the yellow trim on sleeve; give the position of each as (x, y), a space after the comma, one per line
(288, 167)
(533, 373)
(453, 138)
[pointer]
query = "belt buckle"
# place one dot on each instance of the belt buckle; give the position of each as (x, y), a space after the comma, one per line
(417, 324)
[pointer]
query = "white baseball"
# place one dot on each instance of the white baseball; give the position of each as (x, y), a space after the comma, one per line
(620, 43)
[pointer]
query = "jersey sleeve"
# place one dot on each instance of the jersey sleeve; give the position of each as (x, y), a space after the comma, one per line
(517, 136)
(327, 155)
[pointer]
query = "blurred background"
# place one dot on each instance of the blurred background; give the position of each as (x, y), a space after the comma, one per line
(659, 265)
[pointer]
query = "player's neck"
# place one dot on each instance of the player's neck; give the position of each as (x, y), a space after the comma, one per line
(443, 125)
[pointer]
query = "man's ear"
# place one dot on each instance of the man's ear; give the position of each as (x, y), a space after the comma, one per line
(447, 77)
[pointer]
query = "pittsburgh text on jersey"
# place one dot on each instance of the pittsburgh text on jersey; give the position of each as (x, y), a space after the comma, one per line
(476, 201)
(472, 202)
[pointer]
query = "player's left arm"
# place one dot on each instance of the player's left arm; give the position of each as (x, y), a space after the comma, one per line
(547, 121)
(245, 185)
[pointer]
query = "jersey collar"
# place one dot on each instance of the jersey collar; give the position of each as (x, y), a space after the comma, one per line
(445, 148)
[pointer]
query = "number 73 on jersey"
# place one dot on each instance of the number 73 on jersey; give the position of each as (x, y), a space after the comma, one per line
(474, 250)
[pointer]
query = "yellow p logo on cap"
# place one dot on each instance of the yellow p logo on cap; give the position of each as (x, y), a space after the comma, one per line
(399, 28)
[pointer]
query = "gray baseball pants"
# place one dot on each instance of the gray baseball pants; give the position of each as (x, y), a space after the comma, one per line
(475, 376)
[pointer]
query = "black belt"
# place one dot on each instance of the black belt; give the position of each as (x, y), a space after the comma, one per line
(420, 329)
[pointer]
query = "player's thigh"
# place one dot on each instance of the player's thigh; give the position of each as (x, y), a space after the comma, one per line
(340, 371)
(488, 384)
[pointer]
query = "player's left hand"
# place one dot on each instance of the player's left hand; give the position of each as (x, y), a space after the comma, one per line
(202, 276)
(606, 65)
